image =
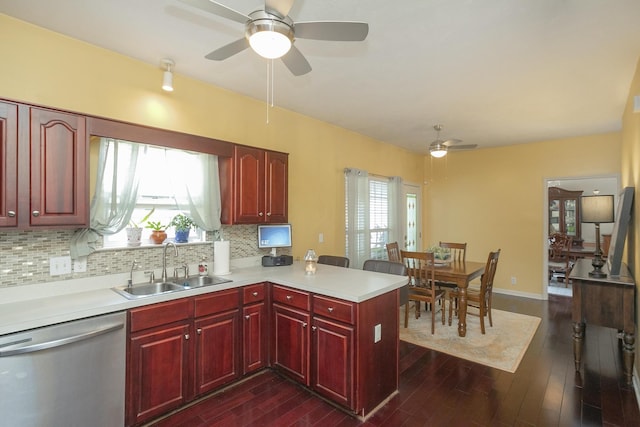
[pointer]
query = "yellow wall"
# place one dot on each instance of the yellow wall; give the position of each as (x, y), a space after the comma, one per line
(495, 198)
(631, 178)
(46, 68)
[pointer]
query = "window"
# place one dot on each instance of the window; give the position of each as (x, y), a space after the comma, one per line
(372, 214)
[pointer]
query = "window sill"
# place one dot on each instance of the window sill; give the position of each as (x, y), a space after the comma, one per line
(149, 245)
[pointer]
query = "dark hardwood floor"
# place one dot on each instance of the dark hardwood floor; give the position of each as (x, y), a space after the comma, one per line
(438, 389)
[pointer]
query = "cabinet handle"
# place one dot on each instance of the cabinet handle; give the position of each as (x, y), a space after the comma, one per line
(247, 317)
(268, 213)
(11, 214)
(35, 213)
(199, 331)
(313, 328)
(289, 297)
(255, 294)
(330, 309)
(304, 324)
(186, 336)
(260, 214)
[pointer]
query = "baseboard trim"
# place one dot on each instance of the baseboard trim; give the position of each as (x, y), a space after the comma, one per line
(519, 294)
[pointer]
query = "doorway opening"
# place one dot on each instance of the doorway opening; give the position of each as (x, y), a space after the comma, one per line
(604, 184)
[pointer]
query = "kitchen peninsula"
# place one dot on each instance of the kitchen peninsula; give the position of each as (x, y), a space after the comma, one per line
(335, 332)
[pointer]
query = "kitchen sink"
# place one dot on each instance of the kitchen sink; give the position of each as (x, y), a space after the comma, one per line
(151, 289)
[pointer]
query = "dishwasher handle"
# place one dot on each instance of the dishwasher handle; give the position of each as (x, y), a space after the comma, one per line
(62, 341)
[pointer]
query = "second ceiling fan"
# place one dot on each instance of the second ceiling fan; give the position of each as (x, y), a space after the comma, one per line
(271, 33)
(440, 148)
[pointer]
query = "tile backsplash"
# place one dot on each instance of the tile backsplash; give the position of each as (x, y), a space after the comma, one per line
(25, 254)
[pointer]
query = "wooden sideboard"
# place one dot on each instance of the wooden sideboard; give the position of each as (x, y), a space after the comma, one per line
(607, 301)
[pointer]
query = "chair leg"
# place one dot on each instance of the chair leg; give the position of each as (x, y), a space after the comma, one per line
(489, 312)
(482, 314)
(442, 309)
(406, 314)
(433, 320)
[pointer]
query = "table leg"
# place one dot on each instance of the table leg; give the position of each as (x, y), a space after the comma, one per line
(628, 353)
(578, 338)
(462, 311)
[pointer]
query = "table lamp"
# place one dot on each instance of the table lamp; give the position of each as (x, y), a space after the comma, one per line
(597, 210)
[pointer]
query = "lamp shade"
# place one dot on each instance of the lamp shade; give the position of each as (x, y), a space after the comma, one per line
(438, 150)
(167, 81)
(597, 209)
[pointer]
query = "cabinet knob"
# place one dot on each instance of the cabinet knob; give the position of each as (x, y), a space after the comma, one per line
(11, 214)
(313, 328)
(255, 294)
(199, 331)
(35, 213)
(289, 297)
(330, 309)
(186, 336)
(260, 214)
(268, 213)
(247, 317)
(304, 324)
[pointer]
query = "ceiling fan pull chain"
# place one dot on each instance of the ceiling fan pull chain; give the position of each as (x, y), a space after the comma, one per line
(268, 90)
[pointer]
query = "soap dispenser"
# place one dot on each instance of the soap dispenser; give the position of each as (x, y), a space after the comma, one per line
(203, 269)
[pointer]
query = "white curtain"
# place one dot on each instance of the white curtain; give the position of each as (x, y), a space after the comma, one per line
(115, 195)
(197, 189)
(396, 211)
(357, 216)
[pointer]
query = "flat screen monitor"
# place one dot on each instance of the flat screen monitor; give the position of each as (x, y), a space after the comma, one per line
(274, 236)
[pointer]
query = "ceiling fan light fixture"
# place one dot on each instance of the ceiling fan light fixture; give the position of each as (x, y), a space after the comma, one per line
(167, 76)
(270, 38)
(438, 151)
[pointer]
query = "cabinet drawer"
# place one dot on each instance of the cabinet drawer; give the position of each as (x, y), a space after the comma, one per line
(254, 293)
(291, 297)
(216, 302)
(343, 311)
(159, 314)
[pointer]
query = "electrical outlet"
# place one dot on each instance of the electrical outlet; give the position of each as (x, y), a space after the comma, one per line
(513, 280)
(59, 265)
(320, 238)
(377, 333)
(80, 265)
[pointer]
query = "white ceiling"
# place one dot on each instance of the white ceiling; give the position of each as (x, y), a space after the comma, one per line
(493, 72)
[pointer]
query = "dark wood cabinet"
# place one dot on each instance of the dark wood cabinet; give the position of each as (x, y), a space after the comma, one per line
(564, 213)
(255, 328)
(260, 186)
(8, 164)
(47, 149)
(291, 341)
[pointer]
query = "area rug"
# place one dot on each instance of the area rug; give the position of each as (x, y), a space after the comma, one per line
(502, 347)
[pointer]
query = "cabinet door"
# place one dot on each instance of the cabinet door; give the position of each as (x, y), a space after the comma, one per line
(333, 361)
(276, 187)
(291, 343)
(8, 164)
(254, 337)
(58, 161)
(157, 372)
(249, 185)
(217, 351)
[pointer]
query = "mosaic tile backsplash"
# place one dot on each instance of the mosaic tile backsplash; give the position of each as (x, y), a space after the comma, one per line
(25, 255)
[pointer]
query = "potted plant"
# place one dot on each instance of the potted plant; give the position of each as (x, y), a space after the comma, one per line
(158, 233)
(134, 231)
(183, 224)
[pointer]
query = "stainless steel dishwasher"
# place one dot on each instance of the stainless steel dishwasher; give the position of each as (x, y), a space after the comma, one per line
(70, 374)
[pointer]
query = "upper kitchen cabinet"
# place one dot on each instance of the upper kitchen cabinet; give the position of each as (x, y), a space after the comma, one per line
(564, 213)
(57, 161)
(8, 164)
(260, 186)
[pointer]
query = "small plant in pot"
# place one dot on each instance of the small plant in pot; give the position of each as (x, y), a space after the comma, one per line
(134, 231)
(183, 224)
(158, 233)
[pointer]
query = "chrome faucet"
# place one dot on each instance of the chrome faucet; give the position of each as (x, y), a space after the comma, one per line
(134, 264)
(164, 259)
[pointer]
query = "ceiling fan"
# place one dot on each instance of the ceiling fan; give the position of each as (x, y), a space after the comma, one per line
(270, 32)
(439, 147)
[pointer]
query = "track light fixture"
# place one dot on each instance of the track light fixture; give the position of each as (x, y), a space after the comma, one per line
(167, 76)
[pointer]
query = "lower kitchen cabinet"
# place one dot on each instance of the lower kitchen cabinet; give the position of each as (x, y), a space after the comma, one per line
(290, 352)
(255, 332)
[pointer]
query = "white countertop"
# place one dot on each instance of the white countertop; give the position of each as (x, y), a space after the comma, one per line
(32, 306)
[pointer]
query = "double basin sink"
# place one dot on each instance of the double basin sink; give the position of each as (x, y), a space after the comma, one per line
(158, 288)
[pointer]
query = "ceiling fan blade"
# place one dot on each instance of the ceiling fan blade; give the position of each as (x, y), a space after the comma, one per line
(228, 50)
(296, 62)
(462, 147)
(218, 9)
(281, 7)
(332, 31)
(451, 141)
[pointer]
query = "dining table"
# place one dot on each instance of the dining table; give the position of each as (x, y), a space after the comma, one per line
(460, 273)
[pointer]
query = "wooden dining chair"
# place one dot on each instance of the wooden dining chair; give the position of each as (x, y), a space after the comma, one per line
(393, 252)
(391, 267)
(479, 298)
(422, 287)
(458, 250)
(560, 262)
(338, 261)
